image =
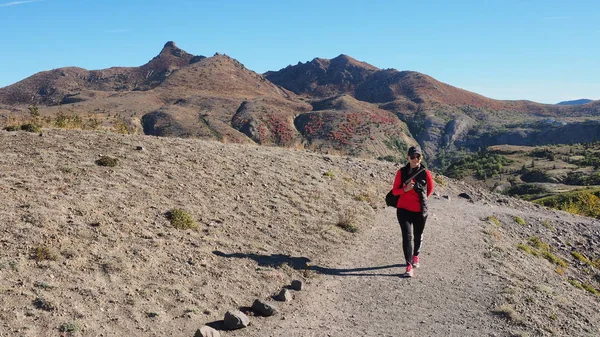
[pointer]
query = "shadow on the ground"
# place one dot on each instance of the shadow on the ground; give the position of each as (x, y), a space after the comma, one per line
(302, 263)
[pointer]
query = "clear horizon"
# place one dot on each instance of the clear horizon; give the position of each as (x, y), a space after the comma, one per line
(542, 51)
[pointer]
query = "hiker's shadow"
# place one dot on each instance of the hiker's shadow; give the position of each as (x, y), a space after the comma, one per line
(303, 263)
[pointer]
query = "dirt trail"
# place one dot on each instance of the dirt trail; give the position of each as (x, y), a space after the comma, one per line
(362, 291)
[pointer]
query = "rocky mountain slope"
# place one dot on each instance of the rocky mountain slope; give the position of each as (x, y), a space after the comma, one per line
(374, 112)
(575, 102)
(91, 250)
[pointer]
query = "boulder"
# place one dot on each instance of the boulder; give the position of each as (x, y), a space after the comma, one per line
(263, 308)
(235, 319)
(207, 331)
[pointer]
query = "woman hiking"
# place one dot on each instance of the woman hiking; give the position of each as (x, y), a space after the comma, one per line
(413, 184)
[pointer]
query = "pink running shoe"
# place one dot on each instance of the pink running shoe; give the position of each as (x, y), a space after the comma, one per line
(409, 271)
(415, 261)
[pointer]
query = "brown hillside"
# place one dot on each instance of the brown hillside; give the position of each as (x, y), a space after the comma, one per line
(181, 95)
(218, 97)
(323, 77)
(71, 84)
(343, 122)
(90, 250)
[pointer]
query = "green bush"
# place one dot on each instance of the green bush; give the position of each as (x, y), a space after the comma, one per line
(520, 221)
(181, 219)
(526, 189)
(495, 221)
(582, 179)
(483, 165)
(543, 153)
(584, 202)
(536, 176)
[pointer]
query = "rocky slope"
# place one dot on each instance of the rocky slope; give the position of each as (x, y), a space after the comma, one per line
(383, 112)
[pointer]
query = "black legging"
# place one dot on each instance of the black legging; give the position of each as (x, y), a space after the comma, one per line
(405, 219)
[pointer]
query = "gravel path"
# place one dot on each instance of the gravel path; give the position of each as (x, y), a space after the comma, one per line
(362, 291)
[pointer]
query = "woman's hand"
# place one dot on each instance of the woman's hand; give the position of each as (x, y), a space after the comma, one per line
(409, 186)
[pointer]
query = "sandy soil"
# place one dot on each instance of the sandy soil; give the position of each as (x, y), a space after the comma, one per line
(115, 266)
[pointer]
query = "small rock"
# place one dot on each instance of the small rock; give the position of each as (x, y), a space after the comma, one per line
(466, 196)
(207, 331)
(447, 197)
(140, 148)
(235, 319)
(263, 308)
(297, 285)
(284, 296)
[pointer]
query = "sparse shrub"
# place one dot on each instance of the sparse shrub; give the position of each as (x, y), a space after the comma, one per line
(547, 224)
(590, 289)
(538, 243)
(584, 259)
(554, 259)
(581, 257)
(61, 120)
(362, 197)
(43, 253)
(575, 283)
(30, 127)
(560, 271)
(586, 202)
(508, 312)
(181, 219)
(69, 327)
(439, 180)
(43, 285)
(107, 161)
(395, 143)
(122, 127)
(520, 221)
(43, 304)
(329, 174)
(495, 221)
(526, 190)
(12, 128)
(92, 123)
(346, 221)
(34, 111)
(390, 158)
(527, 249)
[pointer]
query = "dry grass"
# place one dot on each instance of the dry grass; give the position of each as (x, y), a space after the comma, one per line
(43, 253)
(347, 221)
(520, 221)
(507, 311)
(107, 161)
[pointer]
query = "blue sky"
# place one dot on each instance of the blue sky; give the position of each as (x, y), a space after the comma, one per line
(545, 51)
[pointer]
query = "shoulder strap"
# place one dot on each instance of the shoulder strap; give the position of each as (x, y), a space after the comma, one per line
(422, 169)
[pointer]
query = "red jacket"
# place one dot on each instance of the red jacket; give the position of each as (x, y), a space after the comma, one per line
(410, 200)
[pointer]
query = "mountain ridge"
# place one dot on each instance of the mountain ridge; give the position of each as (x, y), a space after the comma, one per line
(179, 94)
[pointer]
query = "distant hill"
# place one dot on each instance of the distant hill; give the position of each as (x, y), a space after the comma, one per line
(575, 102)
(338, 105)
